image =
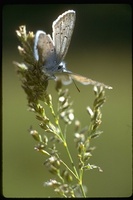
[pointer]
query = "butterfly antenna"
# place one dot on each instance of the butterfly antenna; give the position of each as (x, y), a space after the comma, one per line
(76, 85)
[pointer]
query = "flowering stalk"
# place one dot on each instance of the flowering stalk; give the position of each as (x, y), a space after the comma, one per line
(68, 180)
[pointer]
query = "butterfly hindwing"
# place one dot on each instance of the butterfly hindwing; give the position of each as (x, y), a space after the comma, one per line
(67, 78)
(43, 47)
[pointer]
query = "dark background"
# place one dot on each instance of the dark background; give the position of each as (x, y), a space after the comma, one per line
(101, 50)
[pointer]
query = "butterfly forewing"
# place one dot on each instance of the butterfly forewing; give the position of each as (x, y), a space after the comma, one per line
(62, 32)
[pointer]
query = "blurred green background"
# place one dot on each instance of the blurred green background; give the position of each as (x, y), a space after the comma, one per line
(101, 50)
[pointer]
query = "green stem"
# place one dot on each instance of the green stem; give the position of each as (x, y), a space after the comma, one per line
(81, 180)
(60, 177)
(76, 173)
(69, 169)
(71, 160)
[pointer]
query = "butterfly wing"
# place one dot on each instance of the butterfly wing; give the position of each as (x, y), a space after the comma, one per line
(87, 81)
(62, 32)
(44, 51)
(43, 46)
(67, 78)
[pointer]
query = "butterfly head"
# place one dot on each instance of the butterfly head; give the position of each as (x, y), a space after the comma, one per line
(52, 71)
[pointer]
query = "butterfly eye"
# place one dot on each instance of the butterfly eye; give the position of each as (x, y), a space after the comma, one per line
(60, 67)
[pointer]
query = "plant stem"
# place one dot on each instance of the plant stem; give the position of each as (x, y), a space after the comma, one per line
(81, 180)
